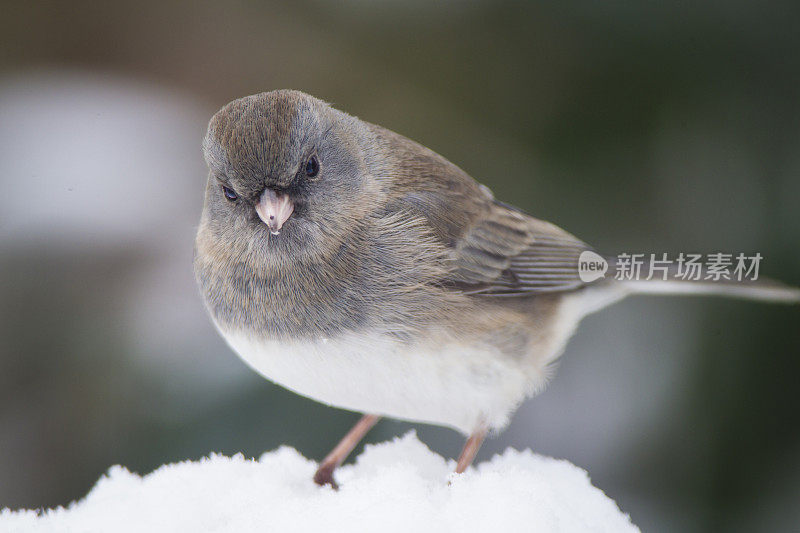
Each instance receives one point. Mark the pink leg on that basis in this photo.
(470, 450)
(324, 475)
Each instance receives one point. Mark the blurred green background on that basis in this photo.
(638, 126)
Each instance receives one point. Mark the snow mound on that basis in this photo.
(394, 486)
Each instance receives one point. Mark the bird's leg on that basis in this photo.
(324, 475)
(470, 450)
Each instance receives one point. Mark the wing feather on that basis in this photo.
(507, 252)
(495, 248)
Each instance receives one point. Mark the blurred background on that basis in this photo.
(638, 126)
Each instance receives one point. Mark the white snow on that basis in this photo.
(394, 486)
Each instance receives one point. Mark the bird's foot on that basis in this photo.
(324, 476)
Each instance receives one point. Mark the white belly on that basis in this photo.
(462, 387)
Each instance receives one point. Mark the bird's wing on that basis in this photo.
(506, 252)
(494, 248)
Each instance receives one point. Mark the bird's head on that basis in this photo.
(287, 176)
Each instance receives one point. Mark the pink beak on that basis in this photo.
(274, 209)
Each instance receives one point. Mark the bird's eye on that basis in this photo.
(312, 166)
(229, 194)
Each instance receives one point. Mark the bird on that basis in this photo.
(358, 268)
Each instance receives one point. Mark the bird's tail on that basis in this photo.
(763, 289)
(614, 281)
(673, 279)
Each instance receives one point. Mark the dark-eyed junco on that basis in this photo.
(358, 268)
